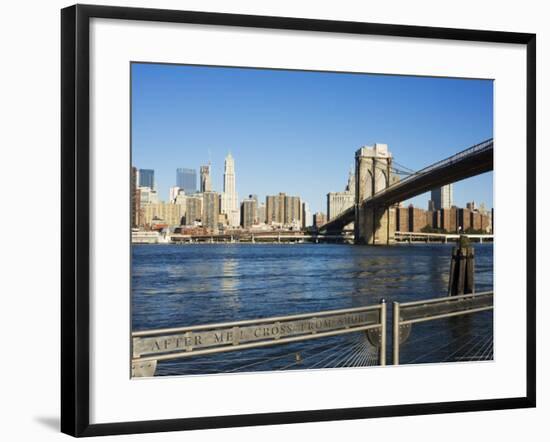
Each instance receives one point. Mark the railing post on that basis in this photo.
(396, 336)
(383, 332)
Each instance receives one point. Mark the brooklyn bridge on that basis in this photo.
(377, 191)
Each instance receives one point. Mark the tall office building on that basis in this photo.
(206, 180)
(351, 181)
(210, 210)
(193, 209)
(147, 178)
(174, 192)
(482, 209)
(186, 179)
(319, 219)
(180, 198)
(147, 196)
(134, 198)
(274, 208)
(337, 202)
(162, 213)
(230, 199)
(442, 197)
(260, 213)
(293, 210)
(249, 212)
(307, 216)
(283, 209)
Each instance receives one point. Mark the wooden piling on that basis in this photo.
(461, 273)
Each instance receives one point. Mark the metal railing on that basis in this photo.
(151, 346)
(407, 314)
(452, 159)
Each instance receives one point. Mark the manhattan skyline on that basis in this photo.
(296, 132)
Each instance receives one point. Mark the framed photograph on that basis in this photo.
(261, 214)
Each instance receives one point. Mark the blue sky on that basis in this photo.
(297, 132)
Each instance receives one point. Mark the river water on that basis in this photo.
(183, 285)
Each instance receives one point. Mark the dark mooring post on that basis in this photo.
(461, 275)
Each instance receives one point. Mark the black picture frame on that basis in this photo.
(75, 213)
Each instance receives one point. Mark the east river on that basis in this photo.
(183, 285)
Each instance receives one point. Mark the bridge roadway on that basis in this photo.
(473, 161)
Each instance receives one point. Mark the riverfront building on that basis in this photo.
(147, 196)
(442, 197)
(261, 213)
(249, 212)
(173, 193)
(162, 214)
(449, 219)
(307, 217)
(319, 219)
(465, 217)
(229, 197)
(275, 208)
(146, 178)
(417, 219)
(193, 209)
(414, 219)
(134, 198)
(402, 219)
(181, 198)
(293, 210)
(206, 180)
(337, 202)
(210, 210)
(186, 179)
(283, 209)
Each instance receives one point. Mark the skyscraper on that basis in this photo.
(230, 200)
(337, 202)
(283, 209)
(275, 208)
(319, 219)
(248, 212)
(210, 210)
(307, 217)
(174, 191)
(134, 198)
(261, 213)
(193, 209)
(351, 181)
(206, 181)
(293, 211)
(186, 179)
(147, 195)
(442, 197)
(147, 178)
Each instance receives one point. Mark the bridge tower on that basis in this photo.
(373, 225)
